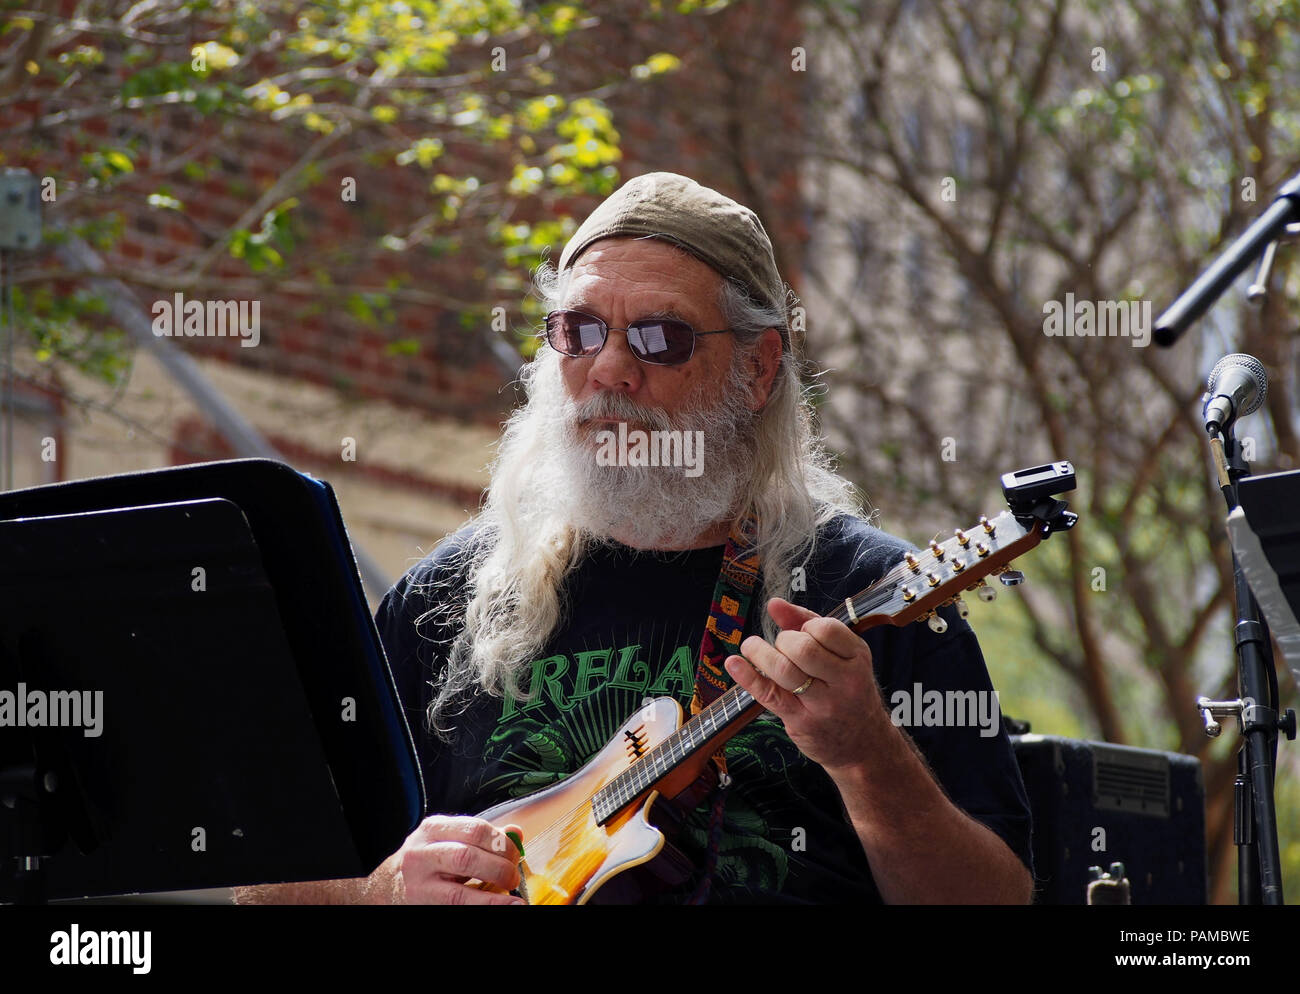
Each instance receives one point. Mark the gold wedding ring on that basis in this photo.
(802, 687)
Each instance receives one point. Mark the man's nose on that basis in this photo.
(614, 366)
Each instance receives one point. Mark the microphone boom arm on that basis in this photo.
(1211, 284)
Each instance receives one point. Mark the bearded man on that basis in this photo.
(525, 641)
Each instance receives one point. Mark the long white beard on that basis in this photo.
(651, 507)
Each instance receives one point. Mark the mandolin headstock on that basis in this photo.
(936, 577)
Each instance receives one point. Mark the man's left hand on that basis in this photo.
(834, 719)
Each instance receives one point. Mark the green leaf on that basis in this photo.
(403, 346)
(118, 160)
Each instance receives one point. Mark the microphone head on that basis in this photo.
(1253, 368)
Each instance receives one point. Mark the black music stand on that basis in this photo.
(1266, 538)
(246, 728)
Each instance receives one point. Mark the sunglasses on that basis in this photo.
(658, 341)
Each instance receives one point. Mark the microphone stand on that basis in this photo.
(1259, 865)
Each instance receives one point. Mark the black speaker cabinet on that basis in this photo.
(1095, 804)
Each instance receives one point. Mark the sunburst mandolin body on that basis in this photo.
(569, 853)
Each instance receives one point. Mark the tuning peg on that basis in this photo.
(962, 538)
(936, 623)
(937, 549)
(986, 593)
(1011, 578)
(963, 611)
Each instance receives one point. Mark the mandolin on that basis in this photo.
(581, 833)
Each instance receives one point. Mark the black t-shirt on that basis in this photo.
(632, 630)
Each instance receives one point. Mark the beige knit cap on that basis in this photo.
(711, 227)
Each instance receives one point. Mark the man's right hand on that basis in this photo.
(445, 852)
(434, 866)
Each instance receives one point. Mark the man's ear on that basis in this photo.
(764, 362)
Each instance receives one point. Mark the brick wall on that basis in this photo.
(724, 118)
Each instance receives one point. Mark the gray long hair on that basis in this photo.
(513, 570)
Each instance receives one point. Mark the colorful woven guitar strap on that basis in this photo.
(726, 625)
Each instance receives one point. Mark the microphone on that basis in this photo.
(1237, 387)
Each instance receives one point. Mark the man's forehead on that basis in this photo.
(643, 281)
(603, 298)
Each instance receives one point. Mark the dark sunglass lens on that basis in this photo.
(662, 341)
(575, 334)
